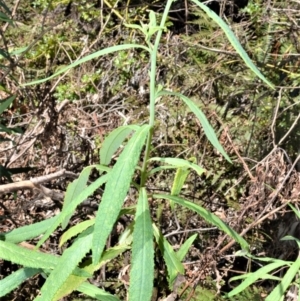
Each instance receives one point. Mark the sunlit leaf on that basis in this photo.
(116, 189)
(113, 141)
(142, 266)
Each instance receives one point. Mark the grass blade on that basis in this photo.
(253, 277)
(142, 267)
(290, 274)
(4, 104)
(185, 247)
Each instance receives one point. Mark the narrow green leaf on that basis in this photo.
(208, 216)
(10, 130)
(12, 281)
(73, 282)
(180, 163)
(26, 257)
(289, 237)
(174, 266)
(179, 180)
(253, 277)
(116, 189)
(234, 41)
(208, 129)
(5, 18)
(15, 51)
(75, 230)
(142, 266)
(296, 211)
(97, 293)
(88, 58)
(66, 265)
(71, 207)
(4, 104)
(73, 190)
(27, 232)
(286, 281)
(185, 247)
(160, 168)
(4, 54)
(246, 253)
(113, 141)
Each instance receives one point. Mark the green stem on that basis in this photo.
(153, 92)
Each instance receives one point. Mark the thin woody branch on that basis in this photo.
(35, 183)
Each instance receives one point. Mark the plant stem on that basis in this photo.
(153, 92)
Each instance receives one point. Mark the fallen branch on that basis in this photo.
(35, 183)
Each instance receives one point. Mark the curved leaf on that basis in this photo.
(234, 42)
(88, 58)
(180, 163)
(208, 130)
(208, 216)
(113, 141)
(172, 261)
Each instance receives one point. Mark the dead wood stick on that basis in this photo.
(35, 183)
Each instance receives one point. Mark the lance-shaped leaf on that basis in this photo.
(88, 58)
(208, 129)
(116, 189)
(142, 266)
(12, 281)
(234, 41)
(113, 141)
(208, 216)
(172, 261)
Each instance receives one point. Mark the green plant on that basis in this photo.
(69, 272)
(265, 272)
